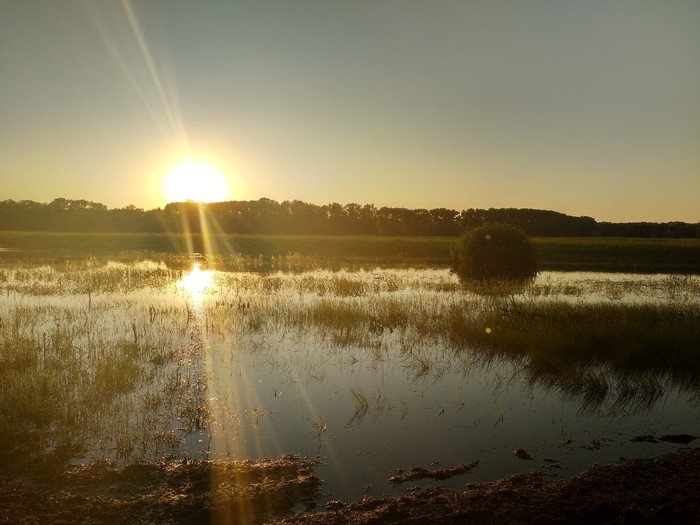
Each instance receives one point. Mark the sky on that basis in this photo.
(583, 107)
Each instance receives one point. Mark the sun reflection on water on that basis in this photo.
(197, 282)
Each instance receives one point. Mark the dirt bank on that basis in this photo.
(660, 490)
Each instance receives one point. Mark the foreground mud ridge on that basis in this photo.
(657, 490)
(181, 492)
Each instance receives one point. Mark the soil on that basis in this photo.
(165, 493)
(665, 489)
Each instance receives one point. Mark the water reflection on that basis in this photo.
(196, 283)
(363, 411)
(359, 367)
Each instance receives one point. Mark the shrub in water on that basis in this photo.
(494, 251)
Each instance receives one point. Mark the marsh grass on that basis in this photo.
(106, 359)
(627, 354)
(297, 253)
(79, 372)
(627, 351)
(681, 256)
(361, 407)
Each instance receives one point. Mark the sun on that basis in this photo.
(195, 181)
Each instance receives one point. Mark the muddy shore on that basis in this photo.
(665, 489)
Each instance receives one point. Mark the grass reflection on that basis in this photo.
(106, 359)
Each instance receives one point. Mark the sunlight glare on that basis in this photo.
(195, 181)
(197, 282)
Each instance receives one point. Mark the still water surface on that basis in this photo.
(246, 377)
(369, 411)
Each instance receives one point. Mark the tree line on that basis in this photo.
(266, 216)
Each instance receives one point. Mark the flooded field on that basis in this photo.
(389, 377)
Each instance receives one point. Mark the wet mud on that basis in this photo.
(282, 491)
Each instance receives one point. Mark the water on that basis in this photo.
(236, 370)
(370, 411)
(297, 397)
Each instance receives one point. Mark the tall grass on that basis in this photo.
(106, 359)
(78, 373)
(602, 348)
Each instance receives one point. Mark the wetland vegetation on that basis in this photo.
(305, 252)
(494, 251)
(285, 381)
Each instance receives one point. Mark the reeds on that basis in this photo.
(611, 347)
(74, 370)
(107, 358)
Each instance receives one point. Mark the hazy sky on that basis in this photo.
(585, 107)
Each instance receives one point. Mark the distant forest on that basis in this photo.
(265, 216)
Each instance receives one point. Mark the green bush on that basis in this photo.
(494, 251)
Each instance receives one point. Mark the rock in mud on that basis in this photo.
(521, 453)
